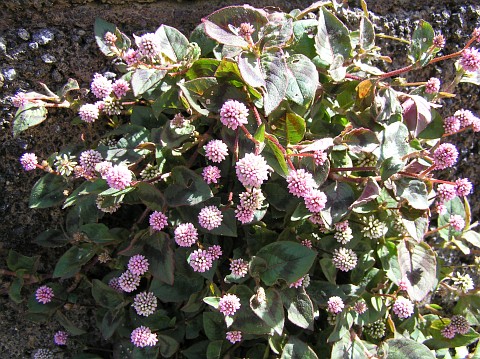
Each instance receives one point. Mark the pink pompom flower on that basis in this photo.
(335, 305)
(29, 161)
(403, 307)
(210, 217)
(300, 182)
(211, 174)
(445, 156)
(470, 60)
(128, 281)
(119, 177)
(239, 267)
(44, 294)
(433, 85)
(463, 186)
(60, 338)
(229, 304)
(158, 220)
(457, 222)
(233, 114)
(315, 200)
(252, 170)
(143, 337)
(101, 86)
(200, 260)
(185, 235)
(138, 264)
(120, 88)
(234, 336)
(216, 151)
(215, 251)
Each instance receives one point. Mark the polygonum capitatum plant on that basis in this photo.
(260, 189)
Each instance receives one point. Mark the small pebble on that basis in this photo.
(23, 34)
(43, 36)
(33, 45)
(48, 59)
(9, 74)
(3, 45)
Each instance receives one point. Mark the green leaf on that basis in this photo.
(422, 40)
(68, 324)
(414, 192)
(270, 310)
(302, 80)
(86, 356)
(418, 264)
(367, 34)
(416, 114)
(370, 192)
(285, 260)
(184, 286)
(195, 91)
(144, 80)
(454, 207)
(46, 310)
(277, 32)
(472, 237)
(339, 199)
(250, 70)
(295, 127)
(390, 166)
(98, 233)
(173, 43)
(111, 321)
(159, 252)
(296, 349)
(328, 269)
(223, 24)
(197, 350)
(28, 116)
(360, 140)
(15, 289)
(393, 142)
(215, 349)
(435, 128)
(71, 85)
(168, 345)
(101, 27)
(387, 107)
(332, 38)
(346, 348)
(407, 348)
(17, 261)
(51, 238)
(274, 70)
(275, 158)
(47, 191)
(105, 295)
(299, 307)
(213, 325)
(150, 196)
(72, 261)
(188, 188)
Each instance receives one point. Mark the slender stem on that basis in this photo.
(257, 115)
(435, 230)
(415, 175)
(354, 77)
(339, 178)
(384, 36)
(355, 169)
(280, 147)
(249, 135)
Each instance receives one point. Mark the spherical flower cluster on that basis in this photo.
(138, 264)
(111, 106)
(185, 235)
(445, 156)
(376, 329)
(433, 85)
(104, 257)
(343, 232)
(150, 172)
(457, 222)
(465, 117)
(158, 221)
(470, 60)
(29, 161)
(451, 125)
(317, 219)
(110, 38)
(448, 332)
(101, 86)
(89, 113)
(119, 177)
(446, 192)
(201, 261)
(404, 285)
(65, 164)
(44, 294)
(300, 182)
(128, 281)
(463, 187)
(233, 114)
(297, 284)
(143, 337)
(120, 88)
(108, 209)
(229, 304)
(234, 336)
(60, 338)
(246, 29)
(252, 170)
(439, 41)
(19, 100)
(239, 267)
(463, 282)
(403, 307)
(319, 157)
(440, 208)
(211, 174)
(210, 217)
(315, 200)
(335, 305)
(114, 283)
(307, 243)
(215, 251)
(103, 168)
(244, 215)
(145, 303)
(88, 160)
(460, 324)
(216, 151)
(360, 307)
(373, 228)
(43, 354)
(344, 259)
(252, 198)
(130, 57)
(148, 45)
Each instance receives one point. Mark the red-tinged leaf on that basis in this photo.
(361, 140)
(370, 192)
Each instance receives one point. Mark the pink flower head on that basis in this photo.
(148, 45)
(234, 336)
(335, 305)
(296, 284)
(229, 304)
(145, 303)
(89, 113)
(439, 41)
(317, 219)
(185, 235)
(244, 215)
(210, 217)
(463, 186)
(110, 38)
(470, 60)
(103, 168)
(60, 338)
(451, 125)
(29, 161)
(101, 86)
(130, 57)
(403, 307)
(404, 285)
(201, 261)
(344, 259)
(233, 114)
(315, 200)
(448, 332)
(440, 207)
(360, 307)
(129, 281)
(120, 88)
(44, 294)
(460, 324)
(158, 221)
(211, 174)
(252, 170)
(319, 157)
(138, 264)
(307, 243)
(476, 124)
(216, 151)
(143, 337)
(433, 85)
(457, 222)
(119, 177)
(239, 267)
(215, 251)
(114, 283)
(300, 182)
(446, 192)
(465, 117)
(445, 156)
(252, 198)
(88, 160)
(19, 100)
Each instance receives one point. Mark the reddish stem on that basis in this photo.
(355, 169)
(280, 147)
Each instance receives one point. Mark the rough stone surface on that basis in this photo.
(63, 30)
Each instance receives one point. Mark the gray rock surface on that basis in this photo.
(52, 40)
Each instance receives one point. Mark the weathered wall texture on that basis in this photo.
(52, 40)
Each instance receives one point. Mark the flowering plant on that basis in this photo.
(264, 190)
